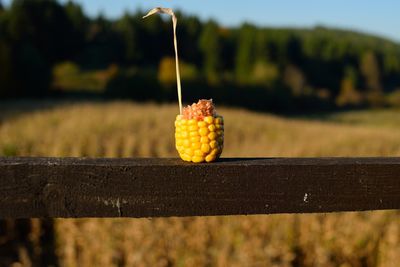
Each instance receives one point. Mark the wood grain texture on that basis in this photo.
(82, 187)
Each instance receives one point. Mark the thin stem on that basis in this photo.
(174, 24)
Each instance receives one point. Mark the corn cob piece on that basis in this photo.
(199, 133)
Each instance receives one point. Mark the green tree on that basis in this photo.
(371, 71)
(294, 78)
(6, 78)
(264, 73)
(103, 46)
(3, 27)
(32, 70)
(261, 46)
(391, 62)
(156, 39)
(349, 95)
(76, 16)
(129, 31)
(189, 32)
(294, 50)
(79, 28)
(23, 70)
(167, 73)
(45, 25)
(369, 67)
(210, 47)
(245, 56)
(6, 57)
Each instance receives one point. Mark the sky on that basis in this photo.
(379, 17)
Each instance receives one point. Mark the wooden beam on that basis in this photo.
(82, 187)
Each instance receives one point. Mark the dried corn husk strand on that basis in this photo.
(174, 23)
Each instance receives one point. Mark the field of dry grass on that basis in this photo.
(125, 129)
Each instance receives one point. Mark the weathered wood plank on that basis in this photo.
(81, 187)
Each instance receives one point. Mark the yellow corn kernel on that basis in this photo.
(199, 153)
(203, 131)
(211, 128)
(213, 144)
(204, 140)
(201, 124)
(205, 148)
(192, 122)
(210, 158)
(219, 120)
(197, 159)
(219, 126)
(179, 142)
(186, 143)
(209, 119)
(215, 151)
(195, 139)
(212, 136)
(184, 134)
(183, 122)
(186, 157)
(196, 145)
(183, 128)
(193, 128)
(194, 133)
(189, 152)
(177, 135)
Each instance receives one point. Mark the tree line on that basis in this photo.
(258, 67)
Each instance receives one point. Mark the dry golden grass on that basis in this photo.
(123, 129)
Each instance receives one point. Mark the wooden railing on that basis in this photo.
(83, 187)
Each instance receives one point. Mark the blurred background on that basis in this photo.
(91, 78)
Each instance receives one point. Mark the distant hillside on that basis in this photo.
(352, 39)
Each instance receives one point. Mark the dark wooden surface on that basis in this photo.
(79, 187)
